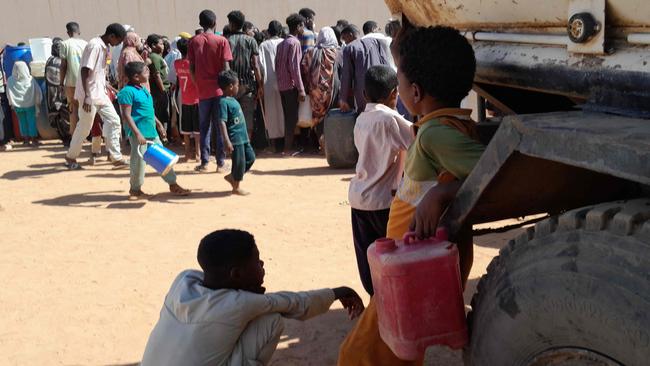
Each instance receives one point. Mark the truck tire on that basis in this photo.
(575, 290)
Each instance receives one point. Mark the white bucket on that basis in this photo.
(37, 68)
(41, 48)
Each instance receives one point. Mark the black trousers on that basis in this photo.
(290, 108)
(367, 226)
(161, 106)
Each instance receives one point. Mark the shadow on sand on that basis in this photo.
(304, 172)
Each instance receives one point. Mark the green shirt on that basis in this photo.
(158, 65)
(142, 110)
(71, 50)
(231, 114)
(437, 148)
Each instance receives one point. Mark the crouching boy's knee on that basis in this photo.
(260, 338)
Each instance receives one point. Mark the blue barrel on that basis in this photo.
(339, 139)
(159, 157)
(13, 54)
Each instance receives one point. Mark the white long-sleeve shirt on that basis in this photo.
(201, 326)
(381, 136)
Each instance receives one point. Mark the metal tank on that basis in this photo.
(595, 53)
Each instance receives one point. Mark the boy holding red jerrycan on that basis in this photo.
(433, 80)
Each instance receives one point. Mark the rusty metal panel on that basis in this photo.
(553, 162)
(503, 14)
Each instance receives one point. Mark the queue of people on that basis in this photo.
(408, 170)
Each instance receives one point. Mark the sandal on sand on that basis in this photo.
(121, 163)
(201, 168)
(72, 165)
(138, 195)
(223, 168)
(177, 190)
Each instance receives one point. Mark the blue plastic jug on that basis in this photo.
(13, 54)
(159, 157)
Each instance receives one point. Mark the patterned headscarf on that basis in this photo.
(327, 38)
(130, 46)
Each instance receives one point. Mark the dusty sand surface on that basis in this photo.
(85, 271)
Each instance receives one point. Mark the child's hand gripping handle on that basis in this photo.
(411, 238)
(137, 148)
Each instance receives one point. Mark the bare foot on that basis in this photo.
(177, 190)
(240, 192)
(228, 178)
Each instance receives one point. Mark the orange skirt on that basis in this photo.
(364, 347)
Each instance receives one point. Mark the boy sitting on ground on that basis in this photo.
(141, 123)
(433, 80)
(381, 136)
(234, 132)
(221, 316)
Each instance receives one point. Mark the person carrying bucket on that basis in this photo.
(138, 112)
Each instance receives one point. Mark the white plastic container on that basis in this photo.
(37, 68)
(41, 48)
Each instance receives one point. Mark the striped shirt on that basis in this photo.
(243, 48)
(287, 65)
(308, 40)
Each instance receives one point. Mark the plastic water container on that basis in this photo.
(13, 54)
(37, 69)
(418, 294)
(41, 48)
(159, 157)
(339, 139)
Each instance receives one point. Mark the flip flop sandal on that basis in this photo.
(180, 192)
(73, 165)
(201, 169)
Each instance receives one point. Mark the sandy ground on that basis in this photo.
(85, 271)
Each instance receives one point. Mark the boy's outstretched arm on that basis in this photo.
(299, 305)
(350, 300)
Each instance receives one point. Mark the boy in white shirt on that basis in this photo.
(381, 136)
(221, 316)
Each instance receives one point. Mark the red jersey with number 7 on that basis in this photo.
(189, 92)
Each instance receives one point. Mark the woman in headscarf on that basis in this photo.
(25, 96)
(320, 75)
(131, 49)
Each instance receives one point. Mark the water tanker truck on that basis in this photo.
(564, 108)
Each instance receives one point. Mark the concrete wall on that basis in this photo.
(24, 19)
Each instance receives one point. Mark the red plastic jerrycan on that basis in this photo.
(418, 294)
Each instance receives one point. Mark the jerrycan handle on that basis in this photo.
(140, 152)
(411, 238)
